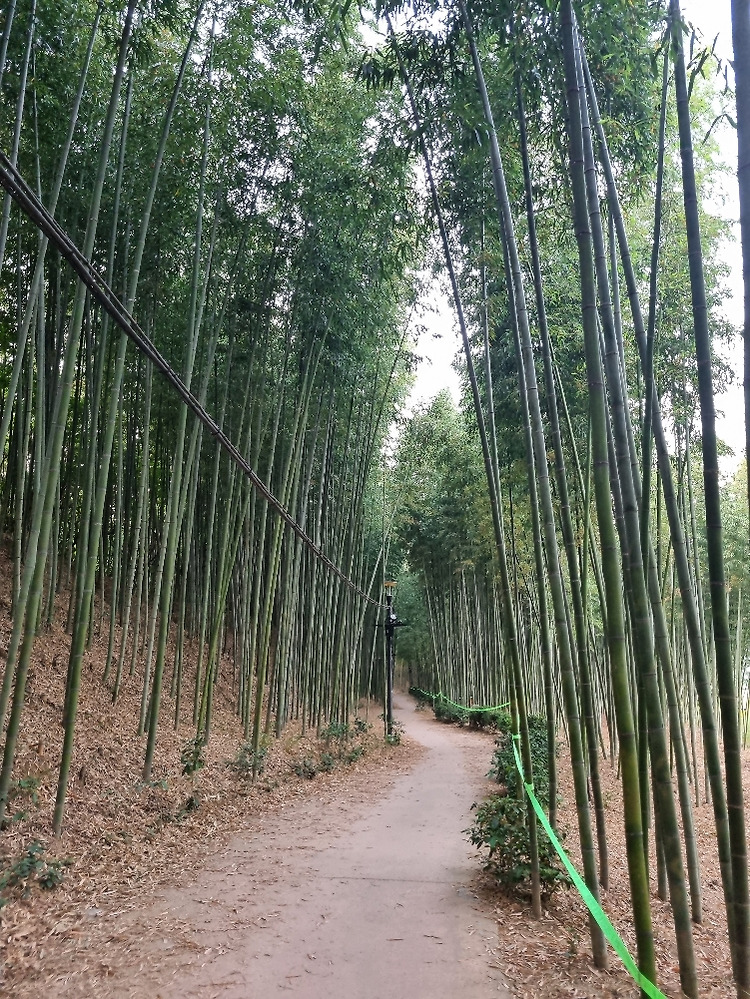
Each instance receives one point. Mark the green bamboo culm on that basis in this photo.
(719, 610)
(641, 905)
(625, 469)
(690, 608)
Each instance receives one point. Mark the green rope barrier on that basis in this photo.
(594, 908)
(614, 938)
(462, 707)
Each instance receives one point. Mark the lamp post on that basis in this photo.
(390, 631)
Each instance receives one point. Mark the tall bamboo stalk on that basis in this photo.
(719, 611)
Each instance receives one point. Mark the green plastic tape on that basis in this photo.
(614, 938)
(462, 707)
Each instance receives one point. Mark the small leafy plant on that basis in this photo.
(24, 788)
(503, 768)
(193, 756)
(31, 867)
(393, 738)
(361, 727)
(248, 761)
(501, 822)
(338, 731)
(305, 768)
(500, 827)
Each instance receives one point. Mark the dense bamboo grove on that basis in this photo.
(258, 190)
(574, 234)
(245, 199)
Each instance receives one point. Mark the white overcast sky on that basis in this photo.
(439, 345)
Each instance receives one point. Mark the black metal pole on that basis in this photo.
(390, 627)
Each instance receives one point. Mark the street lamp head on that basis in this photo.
(389, 586)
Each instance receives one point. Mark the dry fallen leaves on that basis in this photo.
(126, 839)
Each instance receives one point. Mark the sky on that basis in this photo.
(440, 342)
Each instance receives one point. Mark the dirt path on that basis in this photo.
(369, 900)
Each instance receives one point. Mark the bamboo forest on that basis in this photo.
(233, 538)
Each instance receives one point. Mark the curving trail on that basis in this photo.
(351, 902)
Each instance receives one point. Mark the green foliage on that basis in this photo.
(31, 867)
(455, 714)
(500, 827)
(503, 768)
(452, 714)
(341, 746)
(248, 761)
(161, 783)
(193, 756)
(394, 737)
(421, 696)
(445, 514)
(734, 522)
(23, 788)
(306, 767)
(339, 731)
(482, 718)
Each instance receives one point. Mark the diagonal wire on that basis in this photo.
(14, 184)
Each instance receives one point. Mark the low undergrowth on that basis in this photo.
(343, 744)
(500, 829)
(32, 868)
(451, 713)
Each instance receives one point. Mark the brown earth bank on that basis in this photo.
(118, 920)
(122, 836)
(551, 958)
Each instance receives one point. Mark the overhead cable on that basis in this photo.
(14, 184)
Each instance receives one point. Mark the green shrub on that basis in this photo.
(23, 788)
(32, 866)
(248, 761)
(305, 768)
(393, 738)
(421, 696)
(501, 720)
(327, 762)
(193, 755)
(454, 714)
(335, 730)
(500, 827)
(449, 713)
(501, 823)
(484, 718)
(503, 768)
